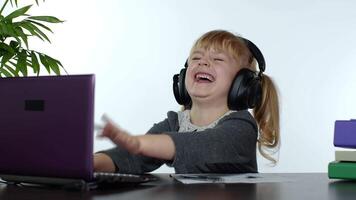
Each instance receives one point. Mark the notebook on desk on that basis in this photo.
(46, 131)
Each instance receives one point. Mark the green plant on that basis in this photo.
(15, 30)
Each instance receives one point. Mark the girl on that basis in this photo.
(214, 133)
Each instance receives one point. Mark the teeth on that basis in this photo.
(204, 76)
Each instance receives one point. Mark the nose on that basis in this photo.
(204, 62)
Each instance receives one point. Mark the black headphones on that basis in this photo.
(245, 91)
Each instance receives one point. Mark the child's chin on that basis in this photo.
(199, 96)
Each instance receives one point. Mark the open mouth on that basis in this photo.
(204, 78)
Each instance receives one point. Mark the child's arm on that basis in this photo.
(103, 163)
(156, 146)
(230, 147)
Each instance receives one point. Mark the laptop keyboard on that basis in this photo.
(112, 178)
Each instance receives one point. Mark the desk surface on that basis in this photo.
(303, 186)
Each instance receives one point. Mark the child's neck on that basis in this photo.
(203, 116)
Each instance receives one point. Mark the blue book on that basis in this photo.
(345, 133)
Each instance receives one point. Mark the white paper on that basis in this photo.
(230, 178)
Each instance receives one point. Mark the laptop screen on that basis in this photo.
(47, 126)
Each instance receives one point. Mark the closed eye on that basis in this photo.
(218, 59)
(196, 58)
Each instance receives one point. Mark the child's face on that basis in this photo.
(209, 75)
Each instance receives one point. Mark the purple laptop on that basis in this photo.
(46, 132)
(47, 126)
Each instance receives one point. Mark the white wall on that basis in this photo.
(135, 47)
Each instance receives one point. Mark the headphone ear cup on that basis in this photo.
(245, 91)
(180, 92)
(255, 93)
(176, 88)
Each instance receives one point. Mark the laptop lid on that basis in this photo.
(46, 126)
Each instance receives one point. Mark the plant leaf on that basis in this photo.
(49, 19)
(41, 25)
(13, 3)
(35, 64)
(27, 27)
(39, 33)
(10, 69)
(45, 63)
(18, 12)
(14, 44)
(30, 29)
(6, 57)
(3, 29)
(10, 29)
(60, 64)
(5, 72)
(12, 32)
(53, 64)
(34, 30)
(22, 35)
(7, 48)
(21, 62)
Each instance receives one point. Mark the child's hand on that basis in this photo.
(159, 146)
(120, 136)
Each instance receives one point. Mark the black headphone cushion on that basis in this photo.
(245, 91)
(183, 93)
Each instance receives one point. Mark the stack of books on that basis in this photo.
(344, 166)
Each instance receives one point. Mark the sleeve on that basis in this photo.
(230, 147)
(137, 164)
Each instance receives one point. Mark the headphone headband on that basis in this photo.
(257, 54)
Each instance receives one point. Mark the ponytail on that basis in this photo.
(267, 117)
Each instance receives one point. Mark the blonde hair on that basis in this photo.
(222, 40)
(267, 112)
